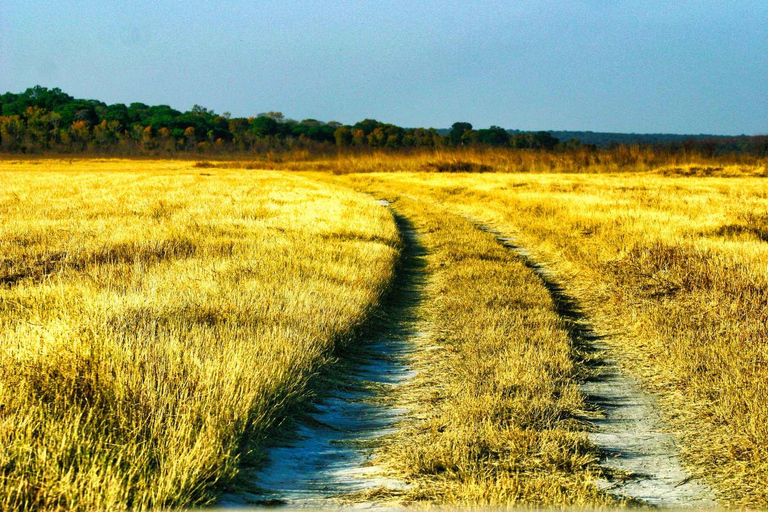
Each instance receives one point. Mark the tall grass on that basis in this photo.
(473, 159)
(156, 320)
(673, 268)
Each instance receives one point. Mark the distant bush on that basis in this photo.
(456, 166)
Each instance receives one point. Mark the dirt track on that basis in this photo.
(629, 431)
(329, 457)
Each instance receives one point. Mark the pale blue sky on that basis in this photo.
(605, 65)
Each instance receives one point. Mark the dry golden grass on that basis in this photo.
(481, 160)
(673, 268)
(496, 396)
(154, 316)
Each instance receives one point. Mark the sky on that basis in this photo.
(644, 66)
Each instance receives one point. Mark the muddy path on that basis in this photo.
(637, 450)
(328, 458)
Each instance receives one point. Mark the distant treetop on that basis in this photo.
(40, 119)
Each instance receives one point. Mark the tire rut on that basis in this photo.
(636, 449)
(328, 459)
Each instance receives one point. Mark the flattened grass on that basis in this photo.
(154, 319)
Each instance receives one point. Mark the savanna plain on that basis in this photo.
(162, 322)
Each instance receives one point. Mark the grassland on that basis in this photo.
(154, 317)
(158, 318)
(672, 267)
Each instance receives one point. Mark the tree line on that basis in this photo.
(41, 120)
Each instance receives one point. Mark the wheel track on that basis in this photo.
(329, 458)
(640, 454)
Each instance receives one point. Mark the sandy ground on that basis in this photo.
(632, 437)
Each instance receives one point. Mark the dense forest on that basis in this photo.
(42, 120)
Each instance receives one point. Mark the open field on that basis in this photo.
(672, 269)
(156, 320)
(383, 256)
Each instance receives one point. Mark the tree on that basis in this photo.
(469, 138)
(358, 139)
(537, 140)
(545, 140)
(137, 112)
(38, 127)
(238, 125)
(493, 136)
(366, 125)
(87, 115)
(11, 132)
(190, 137)
(105, 133)
(148, 138)
(458, 129)
(277, 116)
(118, 112)
(264, 126)
(81, 134)
(343, 136)
(201, 111)
(377, 137)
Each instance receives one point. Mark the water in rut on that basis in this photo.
(329, 457)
